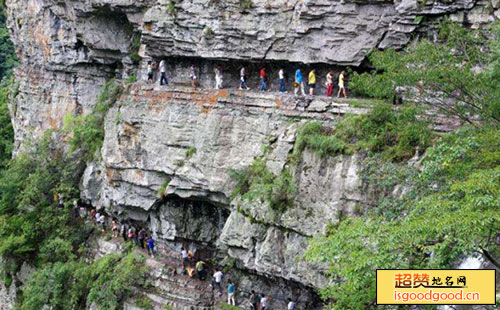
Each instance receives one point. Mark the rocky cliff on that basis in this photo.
(148, 134)
(67, 49)
(188, 141)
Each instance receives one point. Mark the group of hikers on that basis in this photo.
(199, 269)
(299, 82)
(192, 267)
(137, 235)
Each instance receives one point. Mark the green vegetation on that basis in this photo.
(8, 86)
(88, 130)
(395, 133)
(392, 134)
(6, 130)
(464, 67)
(450, 206)
(131, 79)
(257, 183)
(190, 152)
(163, 188)
(228, 263)
(318, 138)
(29, 217)
(225, 306)
(208, 32)
(134, 48)
(144, 303)
(105, 282)
(171, 9)
(8, 59)
(246, 4)
(36, 230)
(450, 210)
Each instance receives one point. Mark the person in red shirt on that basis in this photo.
(263, 79)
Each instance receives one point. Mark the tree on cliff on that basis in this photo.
(8, 59)
(450, 208)
(459, 75)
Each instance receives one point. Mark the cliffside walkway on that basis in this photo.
(316, 107)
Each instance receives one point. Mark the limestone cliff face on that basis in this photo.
(68, 49)
(148, 133)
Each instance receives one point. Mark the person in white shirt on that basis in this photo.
(102, 221)
(281, 74)
(163, 71)
(218, 77)
(264, 301)
(291, 304)
(185, 259)
(217, 280)
(243, 79)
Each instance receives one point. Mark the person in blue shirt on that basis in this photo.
(230, 293)
(151, 246)
(299, 83)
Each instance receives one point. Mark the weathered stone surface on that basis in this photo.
(147, 135)
(7, 296)
(68, 49)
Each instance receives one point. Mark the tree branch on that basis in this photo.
(490, 258)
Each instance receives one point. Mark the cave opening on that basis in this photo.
(190, 223)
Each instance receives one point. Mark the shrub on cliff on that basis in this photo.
(6, 130)
(459, 75)
(450, 209)
(8, 58)
(69, 285)
(87, 131)
(257, 183)
(35, 229)
(395, 133)
(29, 212)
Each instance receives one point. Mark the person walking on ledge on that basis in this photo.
(329, 84)
(218, 77)
(200, 270)
(217, 281)
(163, 73)
(243, 79)
(185, 259)
(193, 76)
(254, 300)
(342, 85)
(151, 246)
(264, 302)
(141, 236)
(281, 74)
(230, 293)
(299, 83)
(263, 78)
(150, 72)
(312, 82)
